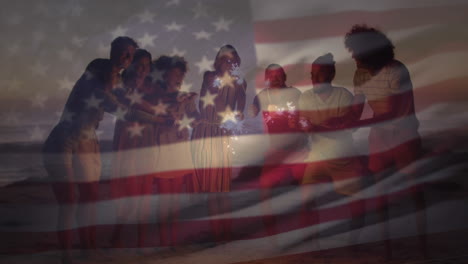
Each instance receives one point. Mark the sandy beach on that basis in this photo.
(447, 228)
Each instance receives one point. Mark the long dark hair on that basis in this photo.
(166, 63)
(119, 44)
(372, 48)
(129, 74)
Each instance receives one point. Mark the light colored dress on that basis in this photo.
(210, 141)
(175, 159)
(134, 152)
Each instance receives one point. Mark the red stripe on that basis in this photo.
(337, 24)
(248, 179)
(299, 74)
(123, 187)
(445, 248)
(446, 91)
(191, 231)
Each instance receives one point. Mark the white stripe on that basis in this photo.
(308, 50)
(437, 118)
(279, 9)
(43, 217)
(279, 245)
(430, 70)
(396, 182)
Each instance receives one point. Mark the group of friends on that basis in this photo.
(164, 136)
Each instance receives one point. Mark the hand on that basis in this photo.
(186, 96)
(196, 122)
(163, 120)
(253, 111)
(183, 134)
(273, 114)
(159, 119)
(304, 124)
(240, 116)
(333, 123)
(293, 122)
(192, 95)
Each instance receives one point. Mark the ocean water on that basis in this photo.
(441, 130)
(19, 161)
(23, 160)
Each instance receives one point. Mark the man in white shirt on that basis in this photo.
(325, 113)
(278, 104)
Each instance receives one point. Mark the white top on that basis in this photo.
(328, 145)
(391, 81)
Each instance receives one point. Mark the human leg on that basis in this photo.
(405, 155)
(270, 177)
(66, 200)
(310, 216)
(349, 177)
(144, 209)
(178, 185)
(88, 195)
(164, 190)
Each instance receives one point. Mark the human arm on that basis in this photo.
(58, 152)
(240, 99)
(311, 119)
(190, 106)
(207, 78)
(255, 107)
(67, 159)
(398, 96)
(350, 111)
(390, 114)
(303, 114)
(98, 82)
(112, 105)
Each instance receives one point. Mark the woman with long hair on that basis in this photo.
(134, 151)
(174, 164)
(222, 100)
(384, 83)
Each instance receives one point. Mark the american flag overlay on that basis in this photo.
(207, 131)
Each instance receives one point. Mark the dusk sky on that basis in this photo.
(47, 45)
